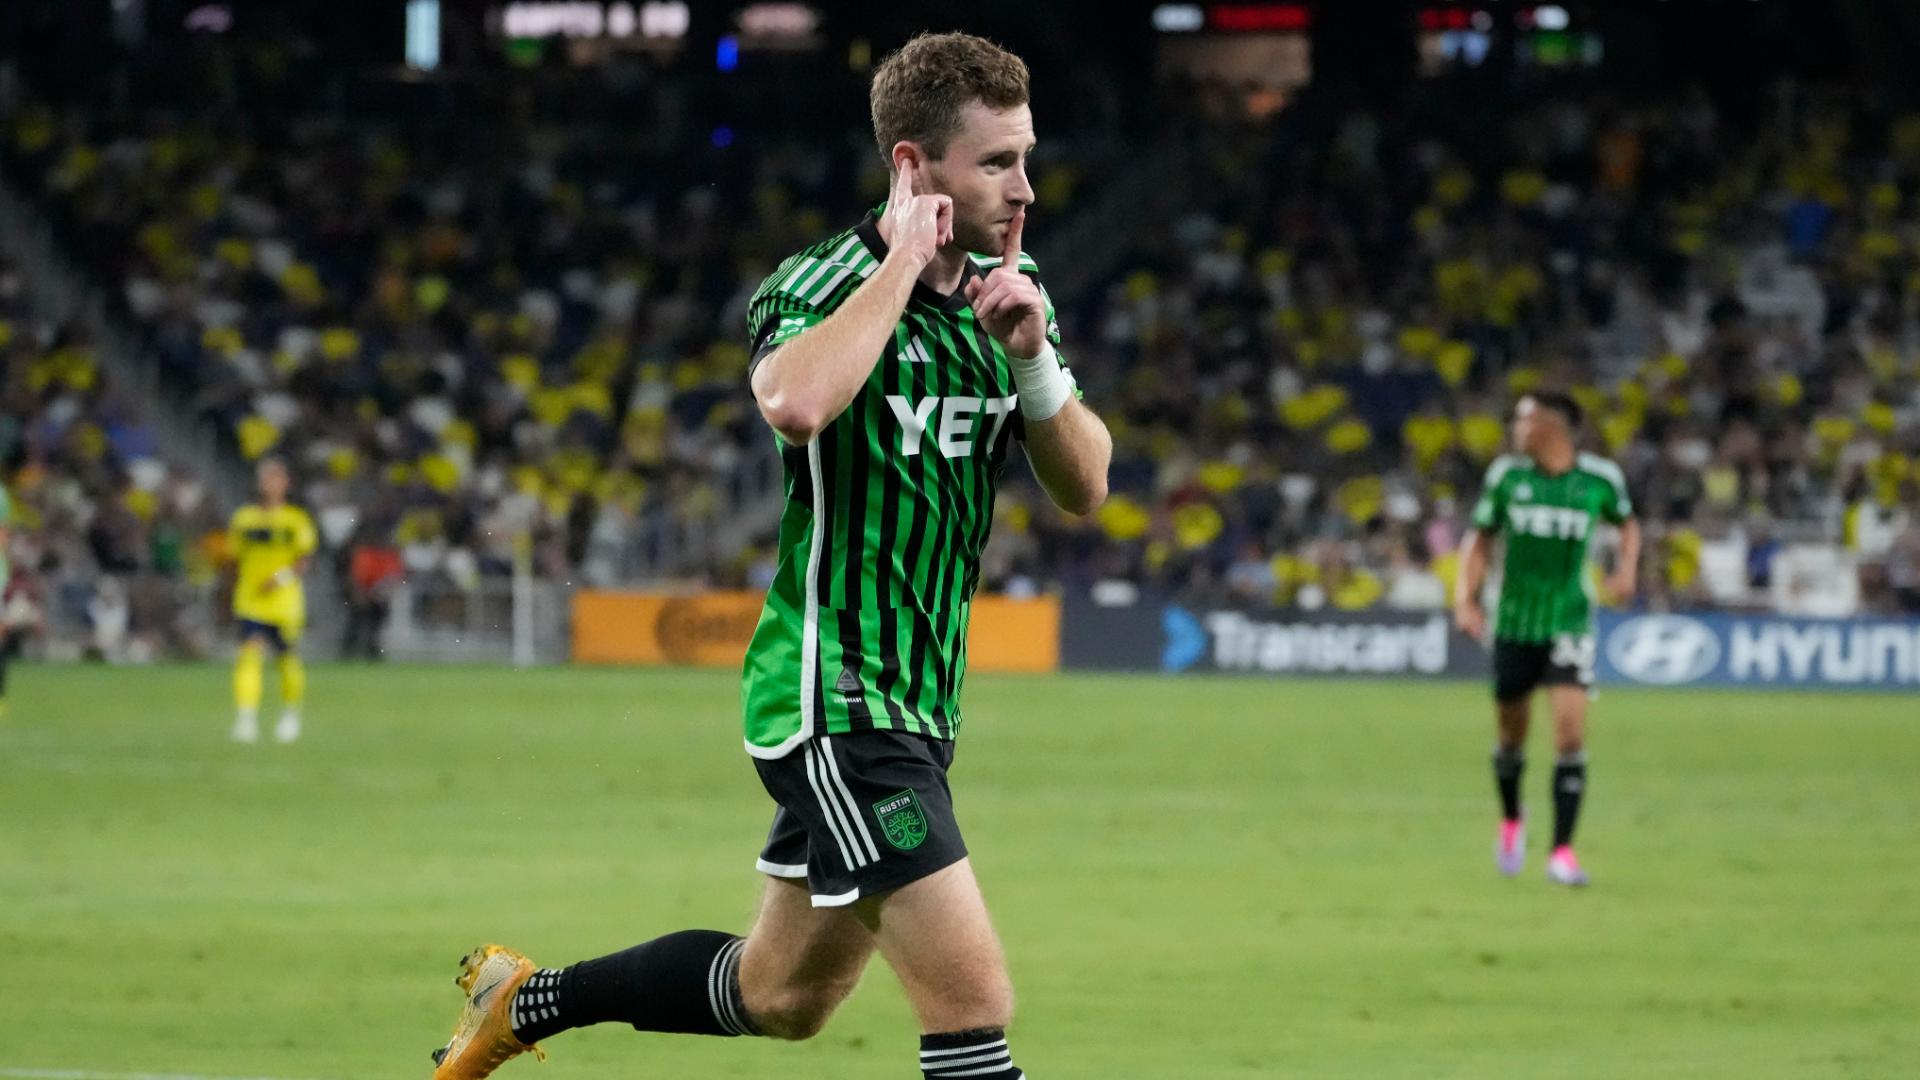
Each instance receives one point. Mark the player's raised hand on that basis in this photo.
(1008, 303)
(916, 226)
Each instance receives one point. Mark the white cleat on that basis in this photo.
(246, 728)
(288, 729)
(1564, 869)
(1510, 848)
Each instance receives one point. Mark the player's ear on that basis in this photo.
(906, 152)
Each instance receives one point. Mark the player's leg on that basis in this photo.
(800, 962)
(936, 935)
(796, 965)
(686, 982)
(293, 684)
(784, 979)
(1569, 677)
(249, 681)
(1517, 670)
(883, 841)
(1569, 779)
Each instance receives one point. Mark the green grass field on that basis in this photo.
(1195, 878)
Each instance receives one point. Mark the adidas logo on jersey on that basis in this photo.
(915, 353)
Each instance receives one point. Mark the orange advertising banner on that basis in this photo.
(711, 629)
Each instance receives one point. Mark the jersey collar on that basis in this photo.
(953, 303)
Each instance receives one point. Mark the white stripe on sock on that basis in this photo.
(729, 969)
(939, 1067)
(975, 1049)
(713, 986)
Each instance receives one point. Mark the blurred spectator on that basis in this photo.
(374, 569)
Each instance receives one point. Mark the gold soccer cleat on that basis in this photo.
(483, 1039)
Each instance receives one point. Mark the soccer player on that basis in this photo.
(271, 541)
(897, 362)
(1544, 500)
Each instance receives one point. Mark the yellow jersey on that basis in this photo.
(265, 541)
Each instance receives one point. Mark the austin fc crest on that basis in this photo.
(902, 820)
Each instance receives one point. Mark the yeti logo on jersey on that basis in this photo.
(915, 353)
(959, 420)
(1549, 522)
(901, 819)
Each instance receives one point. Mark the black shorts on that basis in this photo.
(860, 814)
(270, 633)
(1520, 667)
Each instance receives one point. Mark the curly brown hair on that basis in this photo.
(920, 90)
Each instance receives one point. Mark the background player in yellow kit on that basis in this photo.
(271, 542)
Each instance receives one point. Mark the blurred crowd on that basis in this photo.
(518, 339)
(110, 547)
(1308, 359)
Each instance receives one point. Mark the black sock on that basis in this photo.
(1508, 764)
(980, 1054)
(687, 982)
(1569, 784)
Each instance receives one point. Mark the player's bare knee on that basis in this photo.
(795, 1013)
(1570, 737)
(985, 1002)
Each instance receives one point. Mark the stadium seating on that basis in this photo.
(112, 545)
(468, 337)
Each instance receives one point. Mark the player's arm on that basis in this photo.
(1625, 579)
(1069, 446)
(1468, 614)
(1475, 548)
(810, 379)
(235, 537)
(1070, 452)
(306, 540)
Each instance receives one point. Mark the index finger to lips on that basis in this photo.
(1011, 256)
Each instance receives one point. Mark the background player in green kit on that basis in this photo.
(1545, 501)
(897, 362)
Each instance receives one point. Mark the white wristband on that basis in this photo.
(1041, 383)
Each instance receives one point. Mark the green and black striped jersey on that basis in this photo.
(1547, 521)
(887, 510)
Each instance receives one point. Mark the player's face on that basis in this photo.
(273, 481)
(1533, 426)
(984, 171)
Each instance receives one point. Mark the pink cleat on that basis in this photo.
(1510, 851)
(1564, 869)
